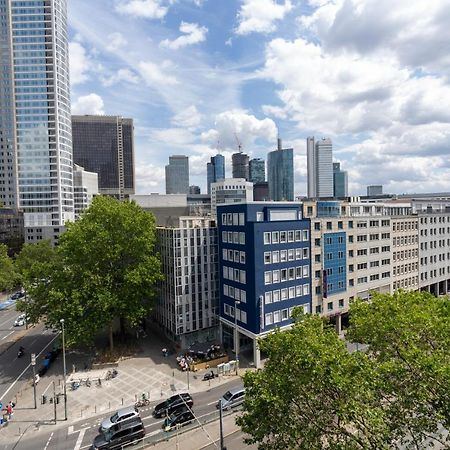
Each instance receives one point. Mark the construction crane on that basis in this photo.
(238, 142)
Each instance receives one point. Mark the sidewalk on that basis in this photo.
(147, 372)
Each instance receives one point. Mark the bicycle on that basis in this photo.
(142, 403)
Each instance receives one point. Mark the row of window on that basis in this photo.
(433, 244)
(235, 293)
(281, 315)
(282, 275)
(293, 254)
(424, 220)
(279, 295)
(434, 273)
(406, 283)
(241, 315)
(405, 240)
(233, 255)
(230, 273)
(404, 226)
(405, 254)
(236, 219)
(434, 258)
(405, 268)
(281, 237)
(330, 306)
(233, 237)
(360, 252)
(359, 224)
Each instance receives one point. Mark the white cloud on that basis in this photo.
(88, 104)
(155, 75)
(121, 75)
(189, 117)
(149, 9)
(193, 34)
(258, 16)
(79, 63)
(116, 41)
(149, 177)
(234, 125)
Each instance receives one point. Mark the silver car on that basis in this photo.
(232, 398)
(122, 415)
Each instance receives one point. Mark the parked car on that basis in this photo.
(122, 415)
(231, 398)
(120, 435)
(180, 418)
(21, 320)
(172, 404)
(17, 295)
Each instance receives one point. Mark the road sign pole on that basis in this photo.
(54, 400)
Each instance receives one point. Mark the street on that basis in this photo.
(80, 435)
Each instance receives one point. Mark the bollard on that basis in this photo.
(122, 401)
(44, 399)
(109, 405)
(95, 409)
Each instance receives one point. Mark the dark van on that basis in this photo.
(120, 435)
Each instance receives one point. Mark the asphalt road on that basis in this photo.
(234, 441)
(80, 435)
(14, 370)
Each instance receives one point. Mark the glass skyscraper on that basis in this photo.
(36, 155)
(240, 165)
(215, 170)
(257, 170)
(280, 174)
(177, 175)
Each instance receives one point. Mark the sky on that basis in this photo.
(199, 76)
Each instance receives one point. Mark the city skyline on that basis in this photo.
(377, 90)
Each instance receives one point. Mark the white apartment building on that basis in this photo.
(85, 187)
(230, 190)
(187, 307)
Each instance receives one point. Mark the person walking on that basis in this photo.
(9, 410)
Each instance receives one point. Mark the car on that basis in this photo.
(21, 320)
(181, 417)
(120, 435)
(122, 415)
(17, 295)
(231, 398)
(172, 404)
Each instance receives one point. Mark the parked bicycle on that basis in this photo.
(111, 374)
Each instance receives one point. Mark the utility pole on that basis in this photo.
(221, 425)
(54, 400)
(64, 369)
(33, 365)
(236, 334)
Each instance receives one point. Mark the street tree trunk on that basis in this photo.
(111, 337)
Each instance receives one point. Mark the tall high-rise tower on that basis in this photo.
(105, 145)
(35, 115)
(311, 166)
(280, 173)
(177, 175)
(257, 170)
(240, 165)
(320, 167)
(340, 181)
(215, 170)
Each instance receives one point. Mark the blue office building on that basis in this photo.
(264, 269)
(334, 263)
(215, 170)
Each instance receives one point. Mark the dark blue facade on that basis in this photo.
(334, 263)
(270, 242)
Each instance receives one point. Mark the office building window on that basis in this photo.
(268, 298)
(276, 295)
(268, 277)
(276, 276)
(275, 237)
(267, 257)
(284, 294)
(269, 319)
(224, 236)
(276, 317)
(241, 219)
(284, 314)
(275, 257)
(266, 238)
(260, 217)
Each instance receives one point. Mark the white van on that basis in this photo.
(231, 398)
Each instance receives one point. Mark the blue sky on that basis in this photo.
(193, 74)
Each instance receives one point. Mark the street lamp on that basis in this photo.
(64, 369)
(236, 339)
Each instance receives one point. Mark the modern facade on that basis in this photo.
(187, 310)
(320, 168)
(177, 175)
(376, 189)
(105, 145)
(340, 181)
(36, 155)
(257, 170)
(280, 173)
(230, 190)
(264, 269)
(215, 170)
(11, 229)
(240, 165)
(85, 187)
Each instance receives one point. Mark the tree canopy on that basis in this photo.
(313, 394)
(8, 274)
(105, 268)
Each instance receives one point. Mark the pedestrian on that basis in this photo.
(9, 410)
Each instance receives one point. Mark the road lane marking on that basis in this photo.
(81, 432)
(26, 368)
(9, 320)
(213, 403)
(9, 334)
(48, 442)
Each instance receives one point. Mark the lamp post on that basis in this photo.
(64, 369)
(236, 334)
(33, 365)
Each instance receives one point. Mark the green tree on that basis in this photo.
(311, 393)
(8, 275)
(106, 268)
(408, 335)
